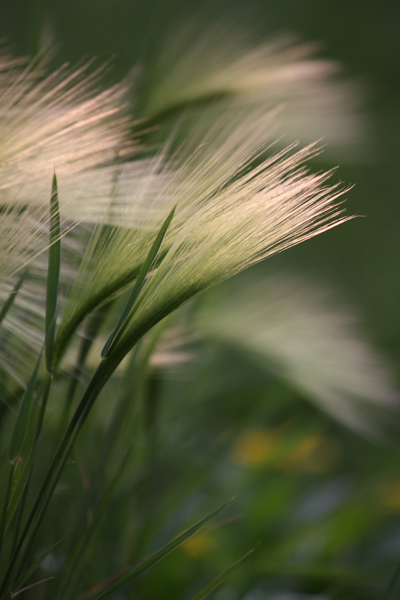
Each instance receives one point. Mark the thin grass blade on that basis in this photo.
(72, 570)
(53, 274)
(215, 583)
(392, 589)
(137, 288)
(161, 553)
(92, 329)
(100, 377)
(21, 423)
(3, 511)
(28, 587)
(9, 302)
(26, 574)
(21, 478)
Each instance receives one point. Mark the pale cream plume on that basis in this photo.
(223, 62)
(60, 122)
(305, 334)
(262, 211)
(190, 179)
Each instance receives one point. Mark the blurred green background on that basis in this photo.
(323, 502)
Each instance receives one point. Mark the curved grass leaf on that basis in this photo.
(21, 475)
(91, 332)
(97, 507)
(21, 423)
(161, 553)
(392, 589)
(9, 302)
(3, 512)
(26, 574)
(99, 379)
(215, 583)
(28, 587)
(137, 288)
(53, 274)
(23, 468)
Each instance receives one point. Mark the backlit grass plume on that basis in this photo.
(191, 178)
(230, 212)
(61, 122)
(304, 334)
(22, 329)
(261, 211)
(195, 67)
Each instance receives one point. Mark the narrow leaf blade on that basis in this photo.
(3, 510)
(20, 481)
(53, 274)
(26, 574)
(21, 423)
(28, 587)
(137, 288)
(215, 583)
(9, 302)
(392, 588)
(161, 553)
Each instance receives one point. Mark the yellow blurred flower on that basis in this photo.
(311, 453)
(199, 545)
(389, 496)
(254, 448)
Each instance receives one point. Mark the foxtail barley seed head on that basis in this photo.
(259, 212)
(225, 63)
(308, 337)
(234, 207)
(234, 204)
(57, 122)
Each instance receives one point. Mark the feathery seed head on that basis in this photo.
(60, 121)
(308, 337)
(259, 212)
(224, 63)
(56, 122)
(234, 207)
(192, 178)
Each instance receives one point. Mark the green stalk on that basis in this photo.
(105, 452)
(72, 574)
(20, 513)
(90, 334)
(21, 423)
(98, 381)
(53, 275)
(12, 296)
(102, 374)
(137, 288)
(21, 488)
(43, 404)
(3, 514)
(161, 553)
(220, 579)
(68, 327)
(39, 424)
